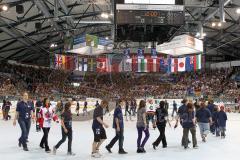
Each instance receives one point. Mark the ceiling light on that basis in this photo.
(53, 45)
(213, 24)
(238, 11)
(104, 15)
(219, 24)
(4, 8)
(106, 38)
(204, 34)
(198, 34)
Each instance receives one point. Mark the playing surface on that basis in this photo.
(215, 148)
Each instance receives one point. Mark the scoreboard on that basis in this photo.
(150, 17)
(150, 14)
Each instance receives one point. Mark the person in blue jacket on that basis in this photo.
(211, 107)
(204, 119)
(118, 125)
(215, 121)
(189, 125)
(222, 120)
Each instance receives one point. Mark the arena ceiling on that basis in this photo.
(21, 41)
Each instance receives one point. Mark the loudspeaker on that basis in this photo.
(19, 9)
(38, 25)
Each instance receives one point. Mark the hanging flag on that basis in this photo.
(189, 63)
(102, 65)
(92, 64)
(197, 62)
(116, 63)
(163, 65)
(126, 52)
(142, 65)
(153, 52)
(134, 64)
(174, 65)
(153, 64)
(140, 53)
(181, 64)
(83, 64)
(58, 61)
(127, 65)
(76, 62)
(63, 62)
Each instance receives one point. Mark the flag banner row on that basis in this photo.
(123, 63)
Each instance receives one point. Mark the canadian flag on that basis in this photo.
(102, 65)
(181, 64)
(174, 65)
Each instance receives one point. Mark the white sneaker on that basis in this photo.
(96, 155)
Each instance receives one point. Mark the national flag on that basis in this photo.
(153, 52)
(153, 64)
(189, 63)
(142, 65)
(140, 53)
(58, 61)
(126, 52)
(197, 62)
(173, 65)
(127, 65)
(116, 64)
(83, 64)
(181, 64)
(102, 65)
(68, 63)
(92, 65)
(63, 62)
(76, 62)
(134, 64)
(163, 65)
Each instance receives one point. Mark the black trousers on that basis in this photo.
(118, 137)
(64, 136)
(161, 137)
(44, 141)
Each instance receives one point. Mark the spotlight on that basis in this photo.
(198, 34)
(213, 24)
(53, 45)
(104, 15)
(106, 38)
(219, 24)
(238, 11)
(4, 8)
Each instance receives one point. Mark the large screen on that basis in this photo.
(150, 1)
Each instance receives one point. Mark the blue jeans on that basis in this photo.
(147, 135)
(204, 128)
(25, 127)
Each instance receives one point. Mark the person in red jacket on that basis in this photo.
(46, 115)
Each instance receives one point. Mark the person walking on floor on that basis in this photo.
(189, 124)
(66, 123)
(161, 120)
(142, 126)
(98, 130)
(24, 113)
(46, 115)
(118, 125)
(204, 120)
(222, 120)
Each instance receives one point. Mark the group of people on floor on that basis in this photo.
(208, 117)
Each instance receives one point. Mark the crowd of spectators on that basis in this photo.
(45, 81)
